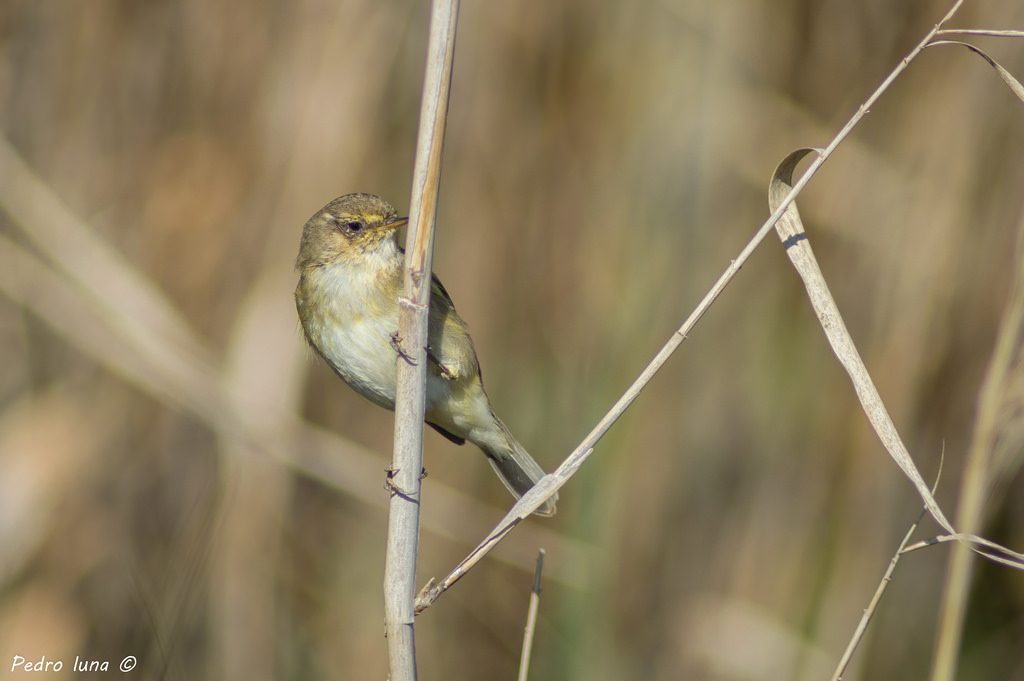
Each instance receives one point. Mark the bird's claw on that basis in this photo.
(396, 344)
(446, 373)
(392, 487)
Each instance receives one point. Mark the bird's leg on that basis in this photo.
(445, 371)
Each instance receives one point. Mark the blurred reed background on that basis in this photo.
(181, 481)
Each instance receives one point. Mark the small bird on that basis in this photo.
(350, 277)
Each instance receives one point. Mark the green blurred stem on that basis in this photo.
(974, 483)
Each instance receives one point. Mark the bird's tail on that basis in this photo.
(516, 468)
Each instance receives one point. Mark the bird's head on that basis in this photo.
(349, 228)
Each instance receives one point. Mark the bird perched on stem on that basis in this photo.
(350, 268)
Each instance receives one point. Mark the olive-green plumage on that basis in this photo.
(350, 277)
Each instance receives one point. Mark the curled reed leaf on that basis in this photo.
(791, 232)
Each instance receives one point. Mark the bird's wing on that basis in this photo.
(453, 360)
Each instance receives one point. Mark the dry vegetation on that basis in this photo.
(179, 480)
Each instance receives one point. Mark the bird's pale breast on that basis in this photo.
(350, 318)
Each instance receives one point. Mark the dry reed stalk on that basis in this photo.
(981, 31)
(876, 598)
(531, 620)
(862, 625)
(404, 476)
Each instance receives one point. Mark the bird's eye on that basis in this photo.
(352, 226)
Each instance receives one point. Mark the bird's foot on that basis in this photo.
(446, 373)
(392, 487)
(396, 344)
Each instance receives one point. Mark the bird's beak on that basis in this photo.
(396, 223)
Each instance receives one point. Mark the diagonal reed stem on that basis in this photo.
(552, 482)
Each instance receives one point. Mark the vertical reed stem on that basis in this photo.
(403, 478)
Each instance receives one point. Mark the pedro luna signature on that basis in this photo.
(42, 664)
